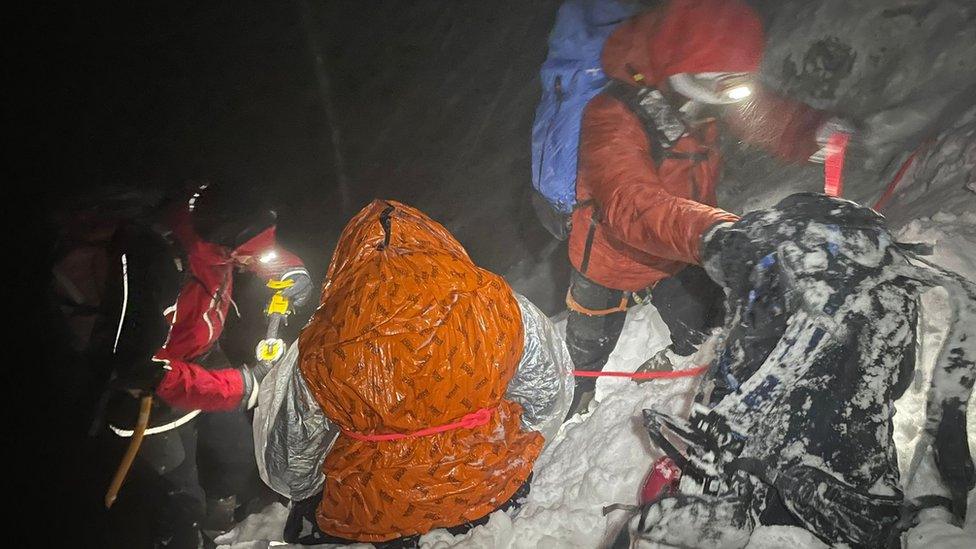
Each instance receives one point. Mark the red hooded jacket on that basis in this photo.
(197, 318)
(648, 219)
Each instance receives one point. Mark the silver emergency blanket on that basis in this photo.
(543, 383)
(291, 434)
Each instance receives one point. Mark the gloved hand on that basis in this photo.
(723, 250)
(300, 291)
(827, 129)
(141, 378)
(253, 376)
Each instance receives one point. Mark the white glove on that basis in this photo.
(827, 129)
(253, 375)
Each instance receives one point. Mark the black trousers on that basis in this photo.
(211, 456)
(690, 303)
(176, 471)
(302, 528)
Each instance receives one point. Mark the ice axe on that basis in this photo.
(145, 405)
(271, 348)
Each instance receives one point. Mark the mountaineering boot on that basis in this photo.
(662, 361)
(220, 515)
(582, 396)
(581, 403)
(188, 537)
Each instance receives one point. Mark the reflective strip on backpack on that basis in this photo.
(126, 433)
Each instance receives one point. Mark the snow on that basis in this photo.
(777, 537)
(954, 238)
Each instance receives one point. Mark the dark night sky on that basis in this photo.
(433, 102)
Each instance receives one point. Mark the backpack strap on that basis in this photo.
(590, 232)
(660, 120)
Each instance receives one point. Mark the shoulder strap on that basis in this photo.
(661, 123)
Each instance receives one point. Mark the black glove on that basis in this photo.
(253, 376)
(729, 253)
(142, 377)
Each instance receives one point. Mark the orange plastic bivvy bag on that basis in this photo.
(411, 336)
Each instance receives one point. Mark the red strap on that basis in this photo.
(691, 372)
(469, 421)
(883, 201)
(834, 163)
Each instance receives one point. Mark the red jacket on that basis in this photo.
(197, 318)
(649, 218)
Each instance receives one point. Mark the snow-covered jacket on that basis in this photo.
(641, 220)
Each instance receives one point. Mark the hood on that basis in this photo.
(685, 36)
(406, 317)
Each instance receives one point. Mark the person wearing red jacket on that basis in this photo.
(649, 164)
(166, 312)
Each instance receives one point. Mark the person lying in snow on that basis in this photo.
(794, 421)
(649, 164)
(438, 382)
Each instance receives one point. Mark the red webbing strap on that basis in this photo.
(834, 163)
(883, 201)
(674, 374)
(469, 421)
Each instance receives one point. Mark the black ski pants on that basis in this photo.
(176, 471)
(689, 302)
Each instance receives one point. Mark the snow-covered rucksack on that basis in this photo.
(794, 424)
(571, 75)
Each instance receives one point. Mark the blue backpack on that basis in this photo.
(571, 76)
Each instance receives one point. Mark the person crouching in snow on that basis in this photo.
(649, 165)
(442, 382)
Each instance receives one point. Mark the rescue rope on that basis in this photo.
(673, 374)
(468, 421)
(883, 200)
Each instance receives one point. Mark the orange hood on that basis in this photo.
(685, 36)
(412, 335)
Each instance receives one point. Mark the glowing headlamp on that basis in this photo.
(713, 88)
(735, 86)
(739, 93)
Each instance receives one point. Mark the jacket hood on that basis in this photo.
(685, 36)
